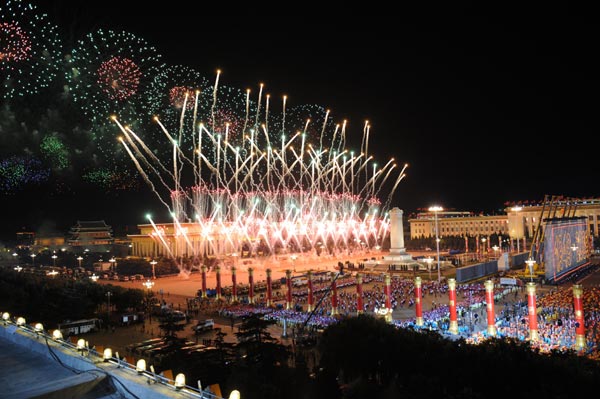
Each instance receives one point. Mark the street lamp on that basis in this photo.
(530, 263)
(113, 262)
(496, 248)
(54, 260)
(94, 277)
(79, 259)
(429, 261)
(33, 259)
(148, 284)
(293, 258)
(153, 263)
(435, 210)
(108, 295)
(483, 240)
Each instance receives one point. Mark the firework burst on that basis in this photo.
(30, 51)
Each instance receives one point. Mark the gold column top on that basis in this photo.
(203, 268)
(232, 269)
(418, 282)
(250, 271)
(489, 286)
(388, 279)
(359, 278)
(332, 275)
(577, 290)
(531, 288)
(288, 274)
(309, 274)
(268, 272)
(452, 284)
(218, 269)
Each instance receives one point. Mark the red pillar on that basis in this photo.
(579, 326)
(203, 268)
(466, 244)
(269, 289)
(418, 303)
(310, 291)
(251, 284)
(531, 309)
(388, 298)
(334, 297)
(452, 305)
(489, 300)
(218, 270)
(288, 283)
(359, 294)
(234, 282)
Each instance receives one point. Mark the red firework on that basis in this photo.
(119, 78)
(15, 45)
(177, 97)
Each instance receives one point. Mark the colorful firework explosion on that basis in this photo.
(18, 172)
(111, 71)
(30, 51)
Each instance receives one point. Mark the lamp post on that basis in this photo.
(530, 263)
(435, 210)
(483, 240)
(79, 259)
(429, 261)
(54, 260)
(108, 295)
(496, 248)
(33, 260)
(148, 284)
(153, 263)
(113, 262)
(293, 258)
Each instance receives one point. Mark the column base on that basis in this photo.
(453, 327)
(288, 306)
(309, 308)
(419, 322)
(491, 330)
(334, 311)
(533, 335)
(388, 316)
(580, 342)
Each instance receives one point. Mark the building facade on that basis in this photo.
(518, 222)
(457, 224)
(93, 235)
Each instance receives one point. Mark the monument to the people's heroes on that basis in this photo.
(397, 255)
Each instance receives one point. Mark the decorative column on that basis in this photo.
(251, 284)
(288, 283)
(334, 298)
(234, 282)
(452, 305)
(269, 289)
(466, 244)
(489, 300)
(218, 270)
(310, 291)
(531, 309)
(477, 245)
(388, 298)
(579, 325)
(203, 268)
(359, 294)
(418, 303)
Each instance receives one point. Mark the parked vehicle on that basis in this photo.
(204, 325)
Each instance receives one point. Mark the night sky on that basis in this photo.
(483, 113)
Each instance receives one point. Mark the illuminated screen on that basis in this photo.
(564, 246)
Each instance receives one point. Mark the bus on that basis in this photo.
(79, 327)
